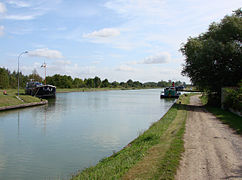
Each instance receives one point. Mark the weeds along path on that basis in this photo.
(212, 150)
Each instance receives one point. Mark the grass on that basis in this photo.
(234, 121)
(155, 154)
(10, 99)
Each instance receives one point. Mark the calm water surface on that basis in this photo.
(73, 131)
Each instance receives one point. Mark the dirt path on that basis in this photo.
(212, 150)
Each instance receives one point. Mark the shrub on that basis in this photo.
(234, 98)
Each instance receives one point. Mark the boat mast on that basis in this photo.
(44, 66)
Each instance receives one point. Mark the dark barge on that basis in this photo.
(39, 90)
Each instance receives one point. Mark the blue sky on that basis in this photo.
(114, 39)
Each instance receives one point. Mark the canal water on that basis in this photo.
(73, 131)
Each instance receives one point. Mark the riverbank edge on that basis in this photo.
(5, 108)
(171, 154)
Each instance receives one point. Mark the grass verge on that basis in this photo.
(234, 121)
(11, 100)
(155, 154)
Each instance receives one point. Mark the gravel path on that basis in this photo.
(212, 150)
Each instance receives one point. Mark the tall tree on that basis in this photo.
(97, 82)
(105, 83)
(4, 78)
(214, 59)
(35, 76)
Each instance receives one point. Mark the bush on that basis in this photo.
(233, 99)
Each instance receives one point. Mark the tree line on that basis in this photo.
(10, 79)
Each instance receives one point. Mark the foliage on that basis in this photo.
(35, 76)
(10, 80)
(78, 83)
(97, 82)
(213, 59)
(105, 83)
(4, 78)
(233, 98)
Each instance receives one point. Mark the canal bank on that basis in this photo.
(155, 154)
(10, 100)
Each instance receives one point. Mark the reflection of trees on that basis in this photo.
(169, 99)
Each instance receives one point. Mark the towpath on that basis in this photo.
(212, 150)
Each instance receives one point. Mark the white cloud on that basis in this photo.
(2, 8)
(18, 3)
(125, 68)
(103, 33)
(1, 30)
(96, 62)
(20, 17)
(47, 53)
(157, 59)
(62, 62)
(28, 10)
(136, 8)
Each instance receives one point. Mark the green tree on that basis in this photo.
(213, 59)
(4, 78)
(13, 80)
(35, 76)
(130, 83)
(114, 84)
(89, 83)
(137, 84)
(78, 83)
(105, 83)
(97, 82)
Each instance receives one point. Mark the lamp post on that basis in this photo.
(18, 68)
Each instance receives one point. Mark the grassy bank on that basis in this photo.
(11, 100)
(234, 121)
(155, 154)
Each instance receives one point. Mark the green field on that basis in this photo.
(10, 99)
(155, 154)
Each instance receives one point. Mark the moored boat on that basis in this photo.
(170, 92)
(39, 90)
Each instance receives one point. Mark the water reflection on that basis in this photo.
(18, 124)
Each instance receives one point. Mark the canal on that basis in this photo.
(73, 131)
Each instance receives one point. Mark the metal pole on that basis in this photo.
(18, 68)
(45, 74)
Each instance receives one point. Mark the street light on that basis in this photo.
(18, 68)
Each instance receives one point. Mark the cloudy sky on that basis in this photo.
(114, 39)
